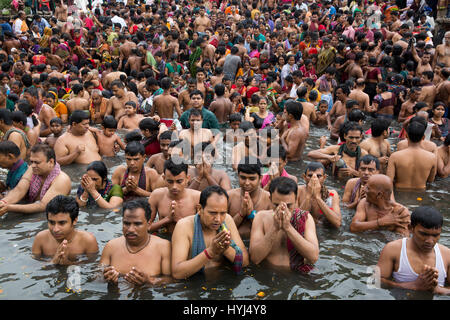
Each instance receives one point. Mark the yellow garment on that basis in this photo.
(44, 42)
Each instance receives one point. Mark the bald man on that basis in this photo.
(377, 211)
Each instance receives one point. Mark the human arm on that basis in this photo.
(110, 274)
(333, 214)
(63, 155)
(262, 239)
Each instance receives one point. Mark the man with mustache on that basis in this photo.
(62, 240)
(137, 256)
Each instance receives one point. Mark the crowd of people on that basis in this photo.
(179, 79)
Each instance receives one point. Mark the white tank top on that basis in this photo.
(406, 274)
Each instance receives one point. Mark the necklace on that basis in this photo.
(146, 244)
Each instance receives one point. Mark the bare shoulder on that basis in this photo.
(161, 243)
(186, 223)
(42, 236)
(193, 193)
(151, 171)
(120, 169)
(393, 247)
(63, 178)
(445, 252)
(87, 237)
(114, 243)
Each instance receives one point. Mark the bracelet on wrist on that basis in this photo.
(242, 216)
(99, 196)
(207, 255)
(252, 215)
(81, 198)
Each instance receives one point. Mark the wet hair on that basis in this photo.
(235, 117)
(136, 204)
(419, 105)
(100, 168)
(208, 191)
(166, 83)
(9, 147)
(379, 125)
(19, 116)
(174, 168)
(45, 149)
(416, 131)
(196, 92)
(314, 166)
(78, 116)
(367, 159)
(283, 185)
(427, 217)
(351, 126)
(63, 204)
(134, 148)
(356, 115)
(195, 112)
(134, 135)
(166, 135)
(246, 125)
(219, 89)
(109, 122)
(148, 124)
(294, 108)
(5, 115)
(250, 165)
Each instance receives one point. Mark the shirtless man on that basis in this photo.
(117, 103)
(130, 121)
(62, 241)
(165, 104)
(378, 145)
(443, 88)
(349, 152)
(195, 134)
(137, 256)
(355, 188)
(45, 112)
(61, 13)
(407, 108)
(134, 61)
(316, 198)
(308, 107)
(350, 105)
(412, 167)
(175, 201)
(359, 95)
(112, 76)
(442, 53)
(126, 46)
(293, 139)
(222, 106)
(279, 236)
(338, 108)
(428, 145)
(10, 133)
(247, 200)
(203, 175)
(78, 144)
(428, 92)
(419, 262)
(354, 70)
(78, 102)
(202, 22)
(53, 60)
(42, 181)
(157, 160)
(378, 211)
(183, 98)
(423, 63)
(443, 155)
(208, 239)
(135, 179)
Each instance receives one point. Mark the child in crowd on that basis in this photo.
(108, 141)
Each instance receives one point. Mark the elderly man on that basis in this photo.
(43, 181)
(137, 256)
(378, 211)
(207, 239)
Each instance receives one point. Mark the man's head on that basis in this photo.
(315, 170)
(293, 111)
(196, 97)
(353, 133)
(79, 121)
(62, 216)
(176, 177)
(235, 120)
(283, 189)
(118, 88)
(249, 173)
(195, 119)
(136, 223)
(379, 188)
(367, 166)
(213, 207)
(415, 131)
(135, 156)
(5, 119)
(164, 141)
(42, 159)
(380, 127)
(9, 154)
(56, 126)
(426, 226)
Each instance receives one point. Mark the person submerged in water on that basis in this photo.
(285, 236)
(418, 262)
(209, 238)
(61, 240)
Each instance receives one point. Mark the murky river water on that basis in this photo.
(340, 273)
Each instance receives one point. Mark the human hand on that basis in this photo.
(111, 274)
(347, 172)
(62, 254)
(398, 217)
(156, 118)
(171, 216)
(427, 280)
(131, 183)
(116, 147)
(200, 170)
(247, 204)
(220, 243)
(322, 141)
(80, 148)
(136, 277)
(286, 215)
(334, 158)
(314, 186)
(87, 183)
(383, 160)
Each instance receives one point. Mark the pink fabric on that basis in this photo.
(266, 178)
(36, 183)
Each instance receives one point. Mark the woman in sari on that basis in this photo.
(96, 188)
(44, 42)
